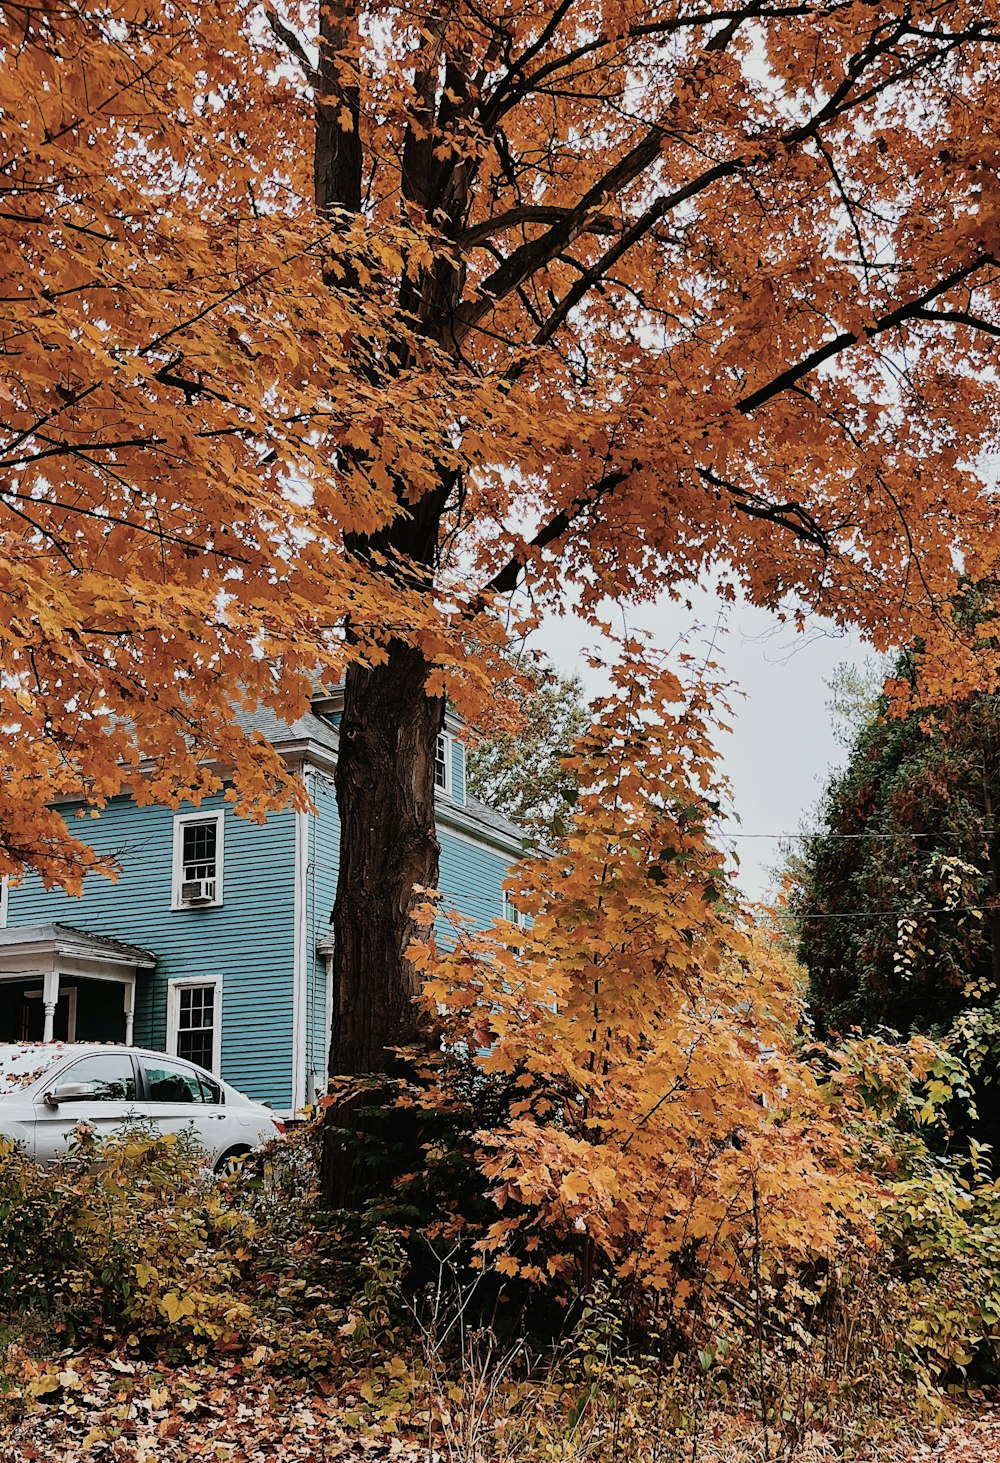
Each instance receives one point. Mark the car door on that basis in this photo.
(177, 1096)
(98, 1089)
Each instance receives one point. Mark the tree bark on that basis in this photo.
(385, 793)
(990, 767)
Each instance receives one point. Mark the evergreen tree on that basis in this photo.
(894, 902)
(897, 898)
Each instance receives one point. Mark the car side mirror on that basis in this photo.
(68, 1092)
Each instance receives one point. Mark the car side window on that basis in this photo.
(211, 1091)
(168, 1082)
(108, 1076)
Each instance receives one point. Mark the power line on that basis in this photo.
(897, 914)
(826, 836)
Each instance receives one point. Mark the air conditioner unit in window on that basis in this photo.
(198, 891)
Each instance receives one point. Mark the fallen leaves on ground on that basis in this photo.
(133, 1412)
(81, 1408)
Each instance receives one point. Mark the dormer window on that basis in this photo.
(197, 874)
(442, 762)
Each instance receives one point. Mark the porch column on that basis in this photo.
(50, 1000)
(129, 1010)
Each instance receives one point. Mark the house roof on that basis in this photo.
(316, 737)
(308, 731)
(489, 820)
(69, 941)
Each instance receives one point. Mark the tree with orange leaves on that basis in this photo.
(639, 1038)
(327, 331)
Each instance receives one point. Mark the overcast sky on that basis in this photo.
(782, 747)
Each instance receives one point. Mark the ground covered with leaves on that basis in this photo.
(81, 1407)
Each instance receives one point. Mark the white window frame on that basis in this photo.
(512, 914)
(175, 985)
(449, 770)
(181, 820)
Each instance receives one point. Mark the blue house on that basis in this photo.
(215, 942)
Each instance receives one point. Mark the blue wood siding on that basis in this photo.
(471, 879)
(248, 940)
(324, 862)
(457, 770)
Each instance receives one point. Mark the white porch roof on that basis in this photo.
(51, 953)
(34, 950)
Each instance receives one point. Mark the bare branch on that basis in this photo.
(295, 44)
(528, 213)
(959, 317)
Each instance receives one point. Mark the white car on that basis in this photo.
(48, 1089)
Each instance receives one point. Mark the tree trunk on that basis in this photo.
(385, 793)
(990, 767)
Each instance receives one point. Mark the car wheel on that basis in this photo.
(232, 1161)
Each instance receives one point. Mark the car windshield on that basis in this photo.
(21, 1064)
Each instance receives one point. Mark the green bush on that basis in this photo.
(131, 1236)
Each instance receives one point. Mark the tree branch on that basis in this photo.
(908, 311)
(506, 579)
(536, 253)
(959, 317)
(788, 515)
(289, 38)
(791, 515)
(528, 213)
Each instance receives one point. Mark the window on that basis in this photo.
(442, 762)
(514, 915)
(196, 1023)
(168, 1082)
(199, 841)
(197, 874)
(108, 1077)
(194, 1020)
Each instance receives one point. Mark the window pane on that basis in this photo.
(199, 849)
(110, 1077)
(196, 1046)
(196, 1024)
(168, 1082)
(196, 1007)
(441, 763)
(211, 1091)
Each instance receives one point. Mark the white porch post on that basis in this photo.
(50, 1000)
(129, 1009)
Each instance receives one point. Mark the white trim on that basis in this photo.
(175, 985)
(50, 1000)
(451, 817)
(328, 1005)
(300, 961)
(128, 1006)
(218, 816)
(449, 769)
(510, 912)
(4, 900)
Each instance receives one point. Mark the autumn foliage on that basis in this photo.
(363, 318)
(659, 1123)
(328, 328)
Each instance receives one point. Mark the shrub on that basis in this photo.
(128, 1236)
